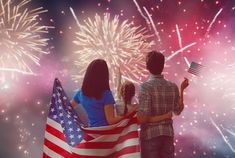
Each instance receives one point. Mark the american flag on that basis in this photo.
(66, 136)
(195, 68)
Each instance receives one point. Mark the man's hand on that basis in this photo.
(184, 84)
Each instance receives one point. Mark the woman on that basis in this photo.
(95, 96)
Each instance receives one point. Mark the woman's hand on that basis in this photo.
(168, 115)
(132, 110)
(73, 103)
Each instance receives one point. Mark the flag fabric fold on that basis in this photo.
(66, 136)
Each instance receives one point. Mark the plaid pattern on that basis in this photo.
(158, 96)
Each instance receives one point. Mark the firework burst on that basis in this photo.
(21, 40)
(121, 44)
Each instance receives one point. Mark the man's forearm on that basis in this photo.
(158, 118)
(181, 100)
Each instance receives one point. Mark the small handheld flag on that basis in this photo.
(196, 69)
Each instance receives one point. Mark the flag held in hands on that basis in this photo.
(196, 69)
(66, 136)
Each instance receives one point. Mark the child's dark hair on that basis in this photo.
(127, 93)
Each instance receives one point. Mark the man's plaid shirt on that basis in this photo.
(158, 96)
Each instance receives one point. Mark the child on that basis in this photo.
(127, 92)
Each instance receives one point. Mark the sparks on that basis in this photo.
(21, 39)
(120, 43)
(178, 35)
(213, 21)
(153, 25)
(179, 51)
(75, 17)
(140, 11)
(187, 62)
(222, 135)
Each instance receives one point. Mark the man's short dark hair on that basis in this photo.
(155, 62)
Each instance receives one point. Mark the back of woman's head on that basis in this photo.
(96, 79)
(127, 92)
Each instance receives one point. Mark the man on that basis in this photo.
(157, 97)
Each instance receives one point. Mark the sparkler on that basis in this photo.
(187, 62)
(153, 25)
(178, 34)
(119, 43)
(21, 39)
(180, 50)
(140, 11)
(222, 135)
(213, 21)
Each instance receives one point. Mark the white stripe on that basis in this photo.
(105, 152)
(132, 155)
(54, 124)
(51, 153)
(57, 141)
(113, 137)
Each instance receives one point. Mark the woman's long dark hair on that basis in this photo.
(96, 79)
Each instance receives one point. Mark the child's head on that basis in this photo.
(127, 92)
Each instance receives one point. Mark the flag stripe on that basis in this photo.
(57, 141)
(113, 137)
(106, 145)
(56, 148)
(51, 153)
(128, 152)
(106, 152)
(45, 156)
(131, 155)
(105, 131)
(54, 124)
(55, 132)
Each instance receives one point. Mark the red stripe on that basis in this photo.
(55, 132)
(107, 145)
(127, 150)
(57, 149)
(124, 151)
(88, 137)
(116, 130)
(45, 156)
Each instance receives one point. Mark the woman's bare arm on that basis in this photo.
(160, 117)
(110, 117)
(142, 118)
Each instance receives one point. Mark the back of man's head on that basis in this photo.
(155, 62)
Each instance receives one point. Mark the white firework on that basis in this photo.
(21, 41)
(121, 44)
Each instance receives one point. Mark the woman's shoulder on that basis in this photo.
(78, 91)
(107, 92)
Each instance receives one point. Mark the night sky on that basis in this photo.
(205, 128)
